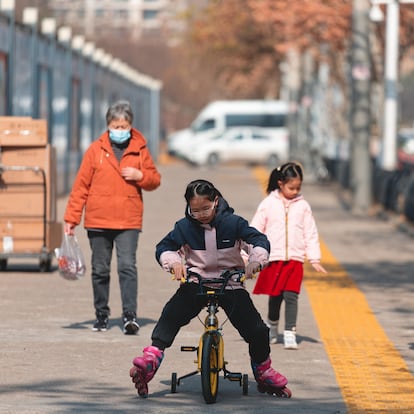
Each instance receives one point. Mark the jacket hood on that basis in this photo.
(278, 195)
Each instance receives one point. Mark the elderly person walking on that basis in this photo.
(108, 186)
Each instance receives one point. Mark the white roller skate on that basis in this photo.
(145, 368)
(269, 380)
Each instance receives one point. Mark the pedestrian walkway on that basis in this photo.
(355, 325)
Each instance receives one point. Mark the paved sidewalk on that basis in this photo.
(51, 361)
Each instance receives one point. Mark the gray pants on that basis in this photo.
(291, 308)
(102, 243)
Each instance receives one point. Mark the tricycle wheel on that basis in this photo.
(173, 383)
(210, 367)
(3, 265)
(45, 264)
(245, 384)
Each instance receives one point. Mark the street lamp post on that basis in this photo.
(388, 156)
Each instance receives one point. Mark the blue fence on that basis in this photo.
(44, 78)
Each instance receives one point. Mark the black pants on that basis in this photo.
(185, 305)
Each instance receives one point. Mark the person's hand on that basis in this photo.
(319, 268)
(132, 174)
(252, 269)
(69, 229)
(178, 271)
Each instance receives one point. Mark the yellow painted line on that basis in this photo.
(371, 373)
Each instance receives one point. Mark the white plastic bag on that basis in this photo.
(71, 261)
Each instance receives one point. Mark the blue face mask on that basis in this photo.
(118, 136)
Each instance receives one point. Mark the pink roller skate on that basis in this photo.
(145, 368)
(269, 380)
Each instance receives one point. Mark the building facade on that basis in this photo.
(116, 18)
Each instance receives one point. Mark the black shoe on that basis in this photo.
(101, 323)
(131, 326)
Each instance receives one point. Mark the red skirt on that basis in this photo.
(278, 277)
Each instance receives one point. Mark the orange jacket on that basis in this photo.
(109, 200)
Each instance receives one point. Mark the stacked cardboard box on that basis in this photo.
(28, 222)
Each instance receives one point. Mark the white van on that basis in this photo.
(219, 116)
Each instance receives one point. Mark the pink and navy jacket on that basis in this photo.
(213, 248)
(290, 228)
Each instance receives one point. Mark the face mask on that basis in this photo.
(118, 136)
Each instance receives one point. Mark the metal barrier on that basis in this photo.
(50, 75)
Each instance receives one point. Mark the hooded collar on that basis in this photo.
(276, 193)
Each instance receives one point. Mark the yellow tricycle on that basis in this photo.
(210, 350)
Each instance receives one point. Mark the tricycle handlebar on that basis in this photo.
(221, 281)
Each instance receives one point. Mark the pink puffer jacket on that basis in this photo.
(290, 227)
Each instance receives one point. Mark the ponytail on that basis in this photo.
(283, 173)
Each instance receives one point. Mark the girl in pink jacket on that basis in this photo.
(286, 219)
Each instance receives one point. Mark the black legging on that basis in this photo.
(185, 304)
(291, 308)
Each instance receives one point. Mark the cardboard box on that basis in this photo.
(25, 203)
(29, 236)
(28, 188)
(22, 131)
(28, 205)
(54, 235)
(27, 156)
(28, 170)
(19, 174)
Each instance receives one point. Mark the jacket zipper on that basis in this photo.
(286, 233)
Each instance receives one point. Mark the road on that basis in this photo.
(52, 362)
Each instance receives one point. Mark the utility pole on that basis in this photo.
(361, 167)
(293, 80)
(388, 159)
(389, 148)
(306, 100)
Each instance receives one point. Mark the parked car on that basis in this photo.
(244, 144)
(218, 116)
